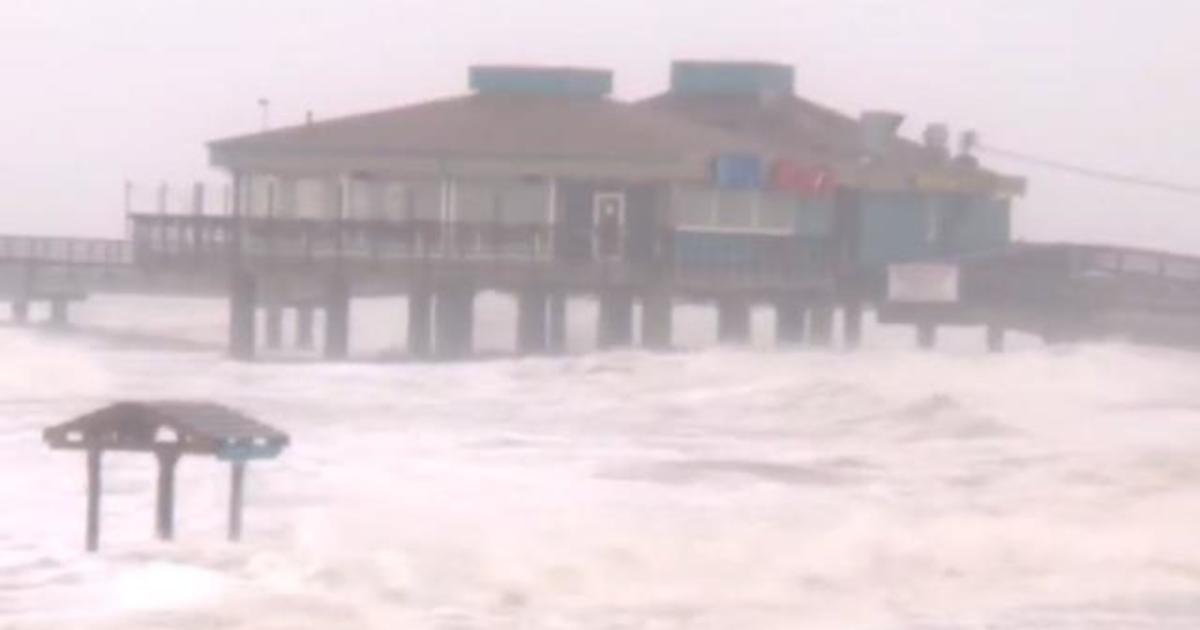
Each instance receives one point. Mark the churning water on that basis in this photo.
(715, 489)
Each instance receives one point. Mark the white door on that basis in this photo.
(608, 225)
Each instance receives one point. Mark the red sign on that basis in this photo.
(798, 178)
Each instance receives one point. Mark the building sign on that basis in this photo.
(798, 178)
(923, 283)
(738, 171)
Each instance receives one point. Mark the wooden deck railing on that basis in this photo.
(65, 250)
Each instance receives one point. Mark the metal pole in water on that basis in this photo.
(237, 482)
(93, 499)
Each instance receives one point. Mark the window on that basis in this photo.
(261, 198)
(737, 208)
(424, 200)
(310, 198)
(700, 208)
(695, 207)
(395, 201)
(814, 217)
(364, 199)
(505, 201)
(777, 212)
(475, 202)
(524, 202)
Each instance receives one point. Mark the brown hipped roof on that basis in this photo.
(795, 126)
(800, 129)
(510, 126)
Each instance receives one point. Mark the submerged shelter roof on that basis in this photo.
(192, 427)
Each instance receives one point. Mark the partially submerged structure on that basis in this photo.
(728, 189)
(168, 430)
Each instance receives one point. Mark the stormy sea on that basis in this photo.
(708, 489)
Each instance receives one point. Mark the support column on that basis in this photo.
(20, 312)
(616, 319)
(852, 321)
(242, 302)
(337, 318)
(94, 488)
(274, 325)
(995, 337)
(420, 316)
(733, 321)
(557, 325)
(304, 327)
(237, 483)
(926, 335)
(454, 324)
(656, 320)
(790, 317)
(59, 314)
(531, 322)
(821, 326)
(165, 504)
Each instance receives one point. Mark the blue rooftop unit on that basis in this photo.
(580, 82)
(731, 78)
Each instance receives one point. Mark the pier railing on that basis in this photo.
(180, 240)
(65, 251)
(203, 239)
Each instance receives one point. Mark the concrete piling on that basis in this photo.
(790, 318)
(242, 303)
(927, 335)
(657, 320)
(532, 337)
(995, 338)
(616, 319)
(304, 327)
(454, 323)
(420, 322)
(733, 320)
(20, 312)
(337, 318)
(556, 335)
(274, 326)
(821, 326)
(852, 324)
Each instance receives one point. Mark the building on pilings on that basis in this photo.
(727, 189)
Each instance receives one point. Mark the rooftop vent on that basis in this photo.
(878, 129)
(541, 81)
(937, 140)
(764, 80)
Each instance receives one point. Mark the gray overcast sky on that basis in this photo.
(98, 91)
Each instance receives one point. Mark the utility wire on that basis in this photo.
(1083, 171)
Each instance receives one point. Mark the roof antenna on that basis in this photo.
(264, 106)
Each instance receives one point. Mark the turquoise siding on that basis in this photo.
(547, 81)
(758, 254)
(814, 217)
(692, 77)
(896, 226)
(986, 224)
(893, 229)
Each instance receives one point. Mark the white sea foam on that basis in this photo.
(889, 489)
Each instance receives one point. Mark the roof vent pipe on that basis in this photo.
(937, 140)
(878, 129)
